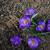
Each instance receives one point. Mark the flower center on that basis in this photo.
(41, 26)
(25, 21)
(33, 42)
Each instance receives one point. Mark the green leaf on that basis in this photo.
(39, 34)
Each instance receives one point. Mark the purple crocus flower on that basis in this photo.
(24, 22)
(29, 11)
(40, 26)
(15, 41)
(33, 42)
(48, 25)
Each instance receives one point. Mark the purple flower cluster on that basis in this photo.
(33, 42)
(25, 21)
(42, 26)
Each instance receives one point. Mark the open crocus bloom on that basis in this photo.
(24, 22)
(40, 26)
(33, 42)
(29, 11)
(15, 41)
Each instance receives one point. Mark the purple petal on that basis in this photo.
(29, 11)
(15, 40)
(48, 27)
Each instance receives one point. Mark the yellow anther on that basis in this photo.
(25, 21)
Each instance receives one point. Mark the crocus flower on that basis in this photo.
(40, 26)
(15, 41)
(48, 25)
(24, 22)
(33, 42)
(29, 11)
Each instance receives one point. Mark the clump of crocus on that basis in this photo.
(15, 41)
(40, 26)
(29, 11)
(48, 25)
(33, 42)
(24, 22)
